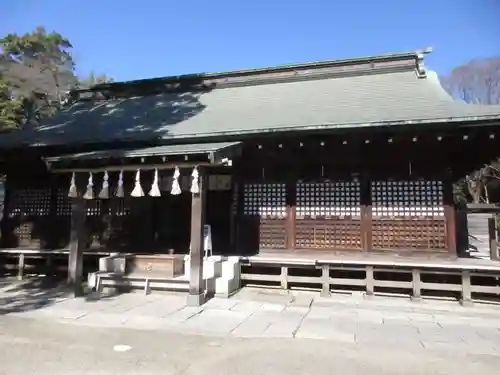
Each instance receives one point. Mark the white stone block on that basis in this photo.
(212, 267)
(229, 281)
(114, 263)
(92, 280)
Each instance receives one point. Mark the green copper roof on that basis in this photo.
(368, 92)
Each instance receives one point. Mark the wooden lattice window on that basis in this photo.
(63, 203)
(327, 199)
(122, 207)
(408, 215)
(29, 210)
(264, 205)
(328, 215)
(30, 202)
(407, 198)
(266, 200)
(93, 207)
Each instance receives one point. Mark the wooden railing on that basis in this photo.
(467, 282)
(26, 256)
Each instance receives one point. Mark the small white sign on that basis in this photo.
(207, 240)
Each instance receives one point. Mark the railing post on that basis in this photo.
(416, 281)
(20, 267)
(284, 277)
(325, 278)
(466, 289)
(370, 288)
(492, 231)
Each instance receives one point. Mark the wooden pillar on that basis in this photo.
(492, 234)
(450, 213)
(196, 295)
(451, 231)
(366, 212)
(76, 244)
(291, 213)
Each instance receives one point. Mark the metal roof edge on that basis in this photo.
(416, 55)
(344, 126)
(235, 135)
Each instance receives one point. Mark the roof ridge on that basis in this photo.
(349, 66)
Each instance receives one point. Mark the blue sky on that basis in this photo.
(138, 39)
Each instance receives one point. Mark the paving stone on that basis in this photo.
(281, 330)
(268, 316)
(384, 337)
(220, 303)
(371, 316)
(461, 320)
(421, 317)
(488, 334)
(146, 323)
(247, 306)
(302, 300)
(61, 313)
(319, 312)
(297, 309)
(344, 314)
(153, 309)
(445, 346)
(285, 326)
(30, 314)
(82, 304)
(121, 306)
(181, 315)
(99, 319)
(430, 326)
(335, 299)
(479, 345)
(400, 325)
(396, 316)
(272, 307)
(269, 296)
(254, 326)
(314, 328)
(214, 322)
(367, 326)
(279, 299)
(440, 336)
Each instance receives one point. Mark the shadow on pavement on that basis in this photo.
(30, 294)
(35, 293)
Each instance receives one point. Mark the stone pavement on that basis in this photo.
(256, 313)
(46, 347)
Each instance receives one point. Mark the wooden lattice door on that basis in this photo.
(28, 216)
(328, 215)
(264, 215)
(408, 215)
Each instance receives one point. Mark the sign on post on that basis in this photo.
(207, 241)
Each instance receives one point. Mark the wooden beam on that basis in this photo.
(134, 167)
(196, 295)
(76, 244)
